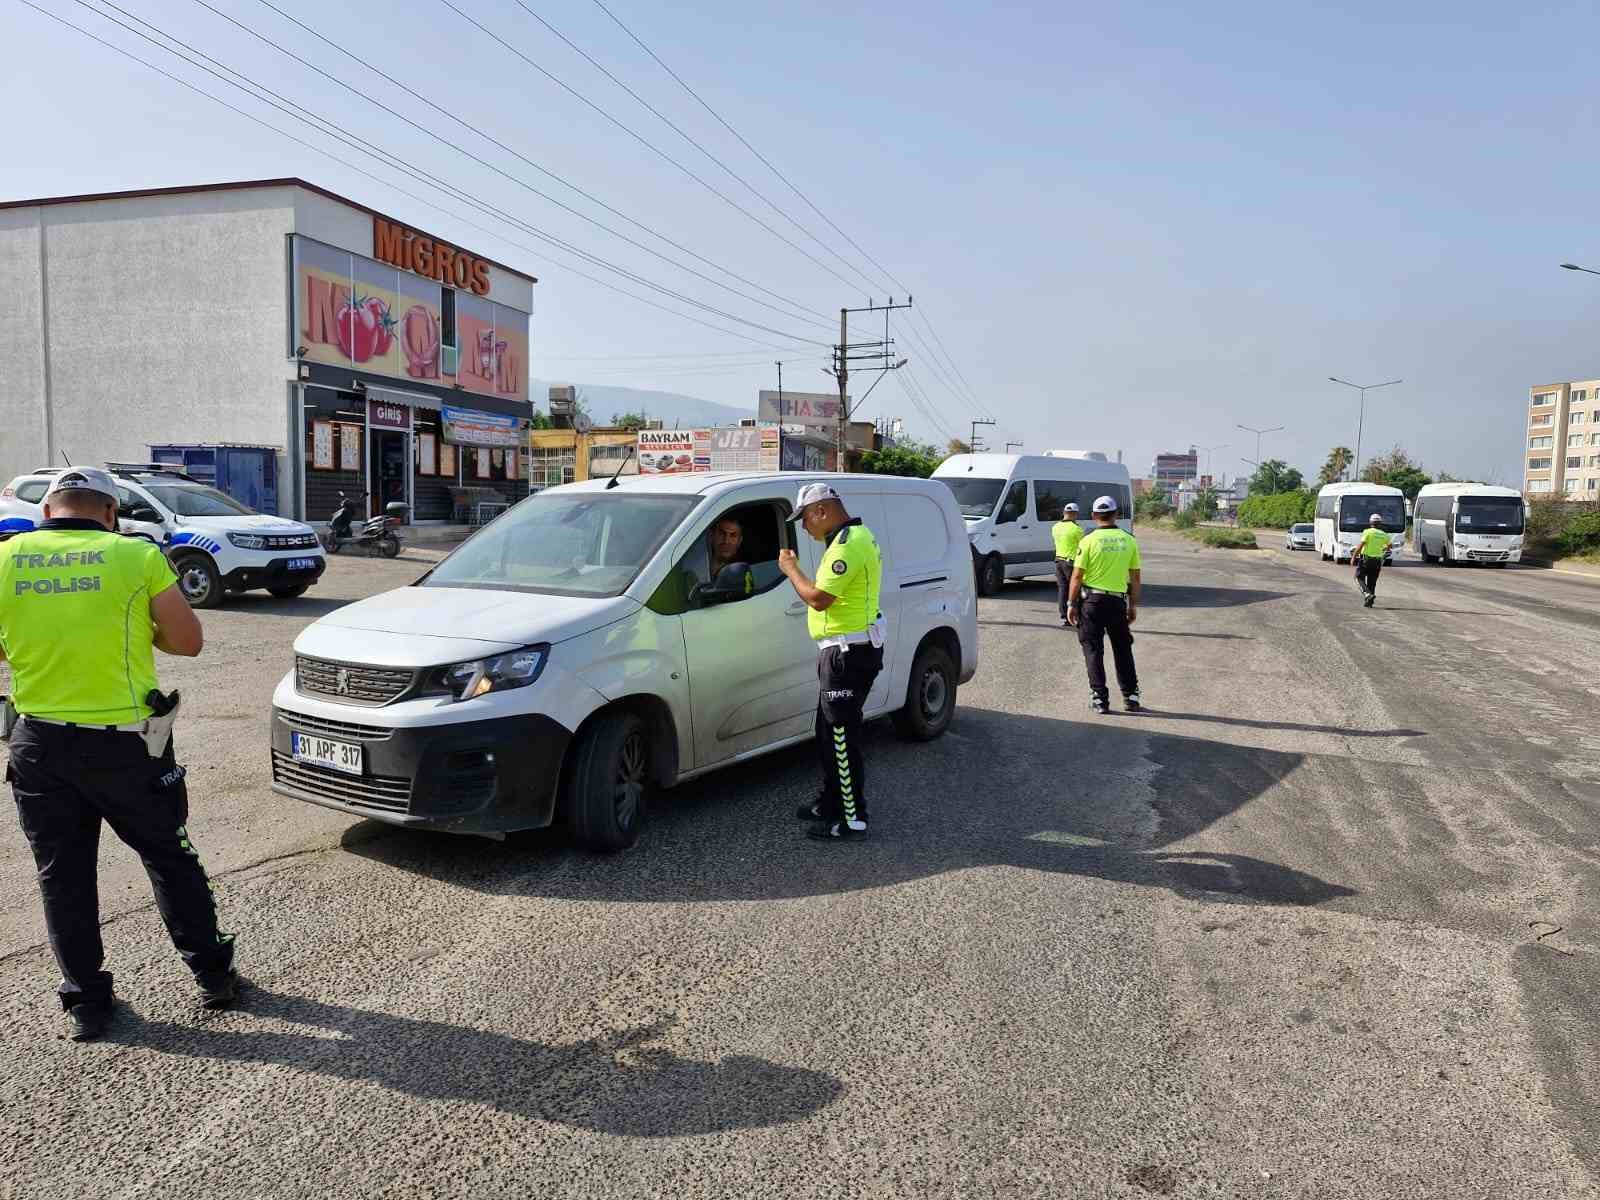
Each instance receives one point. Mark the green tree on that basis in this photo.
(1274, 476)
(629, 420)
(540, 420)
(1151, 505)
(1409, 480)
(1338, 463)
(1205, 503)
(899, 460)
(957, 446)
(1397, 469)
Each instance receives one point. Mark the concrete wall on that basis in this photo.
(22, 412)
(165, 320)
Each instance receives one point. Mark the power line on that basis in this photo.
(686, 136)
(346, 163)
(388, 159)
(802, 313)
(646, 142)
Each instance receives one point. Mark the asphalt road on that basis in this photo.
(1318, 925)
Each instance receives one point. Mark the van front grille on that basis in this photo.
(351, 683)
(387, 793)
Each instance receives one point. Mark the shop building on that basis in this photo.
(376, 359)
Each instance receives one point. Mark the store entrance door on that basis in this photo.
(391, 478)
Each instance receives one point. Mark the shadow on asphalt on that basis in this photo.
(617, 1085)
(1139, 630)
(1103, 801)
(1292, 726)
(307, 608)
(1154, 595)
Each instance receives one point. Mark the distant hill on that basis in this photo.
(602, 402)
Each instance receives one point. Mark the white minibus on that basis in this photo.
(1345, 509)
(1009, 502)
(1469, 523)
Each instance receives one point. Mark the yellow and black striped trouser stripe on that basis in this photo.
(841, 754)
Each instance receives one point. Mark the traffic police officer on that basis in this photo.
(1368, 557)
(81, 611)
(848, 629)
(1105, 602)
(1066, 533)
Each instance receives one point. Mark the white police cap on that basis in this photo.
(812, 493)
(83, 479)
(1070, 507)
(1105, 504)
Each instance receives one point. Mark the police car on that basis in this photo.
(216, 544)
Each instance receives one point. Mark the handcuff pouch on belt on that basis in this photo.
(157, 733)
(8, 718)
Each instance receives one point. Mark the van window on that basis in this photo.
(566, 544)
(919, 538)
(974, 497)
(745, 541)
(1016, 504)
(1050, 496)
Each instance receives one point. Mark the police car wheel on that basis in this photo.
(606, 781)
(199, 581)
(930, 696)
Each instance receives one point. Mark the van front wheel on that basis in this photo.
(930, 696)
(606, 781)
(991, 575)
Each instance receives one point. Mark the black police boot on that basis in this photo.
(88, 1020)
(811, 811)
(1132, 703)
(219, 989)
(838, 831)
(1099, 705)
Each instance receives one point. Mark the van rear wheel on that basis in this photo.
(606, 781)
(930, 696)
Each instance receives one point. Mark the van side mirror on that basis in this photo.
(733, 582)
(143, 512)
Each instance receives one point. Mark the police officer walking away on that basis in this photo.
(848, 629)
(1105, 602)
(1066, 533)
(1368, 557)
(81, 611)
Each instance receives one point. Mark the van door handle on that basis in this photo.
(795, 609)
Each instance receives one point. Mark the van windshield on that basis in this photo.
(975, 498)
(1355, 512)
(566, 544)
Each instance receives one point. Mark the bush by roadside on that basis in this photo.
(1278, 511)
(1563, 529)
(1229, 539)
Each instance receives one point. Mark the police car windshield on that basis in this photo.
(197, 500)
(975, 498)
(566, 544)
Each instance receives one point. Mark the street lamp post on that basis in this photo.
(1576, 267)
(1361, 419)
(1258, 433)
(1206, 450)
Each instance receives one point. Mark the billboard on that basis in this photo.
(741, 448)
(351, 311)
(467, 427)
(815, 410)
(667, 452)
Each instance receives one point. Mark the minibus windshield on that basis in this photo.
(974, 497)
(1489, 514)
(566, 544)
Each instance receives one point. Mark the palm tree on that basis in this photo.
(1338, 463)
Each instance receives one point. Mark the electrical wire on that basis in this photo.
(393, 161)
(346, 163)
(645, 142)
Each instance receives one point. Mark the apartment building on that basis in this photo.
(1563, 446)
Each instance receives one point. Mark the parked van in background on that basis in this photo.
(575, 654)
(1345, 509)
(1469, 523)
(1009, 502)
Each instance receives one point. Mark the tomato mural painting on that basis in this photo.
(366, 330)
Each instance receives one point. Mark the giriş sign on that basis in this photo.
(428, 257)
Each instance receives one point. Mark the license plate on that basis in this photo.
(302, 564)
(325, 752)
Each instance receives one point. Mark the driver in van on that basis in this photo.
(724, 544)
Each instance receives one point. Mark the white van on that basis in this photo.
(1469, 523)
(573, 655)
(1009, 502)
(1345, 509)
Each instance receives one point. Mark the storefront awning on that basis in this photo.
(386, 395)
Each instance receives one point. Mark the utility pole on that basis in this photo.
(779, 365)
(879, 352)
(1018, 445)
(972, 445)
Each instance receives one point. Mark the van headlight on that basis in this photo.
(467, 680)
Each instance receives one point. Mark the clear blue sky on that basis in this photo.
(1133, 225)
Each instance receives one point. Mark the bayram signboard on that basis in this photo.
(741, 448)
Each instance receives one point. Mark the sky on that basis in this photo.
(1127, 227)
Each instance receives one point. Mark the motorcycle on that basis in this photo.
(375, 532)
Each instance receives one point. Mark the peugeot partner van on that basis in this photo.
(1009, 502)
(575, 654)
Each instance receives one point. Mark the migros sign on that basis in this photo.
(431, 259)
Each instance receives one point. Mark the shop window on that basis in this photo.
(447, 332)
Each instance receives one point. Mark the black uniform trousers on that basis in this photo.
(1367, 571)
(66, 782)
(1063, 584)
(1105, 615)
(846, 674)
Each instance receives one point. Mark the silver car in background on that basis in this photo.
(1301, 537)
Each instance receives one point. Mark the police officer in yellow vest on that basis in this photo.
(1066, 533)
(81, 611)
(1368, 558)
(1105, 602)
(848, 629)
